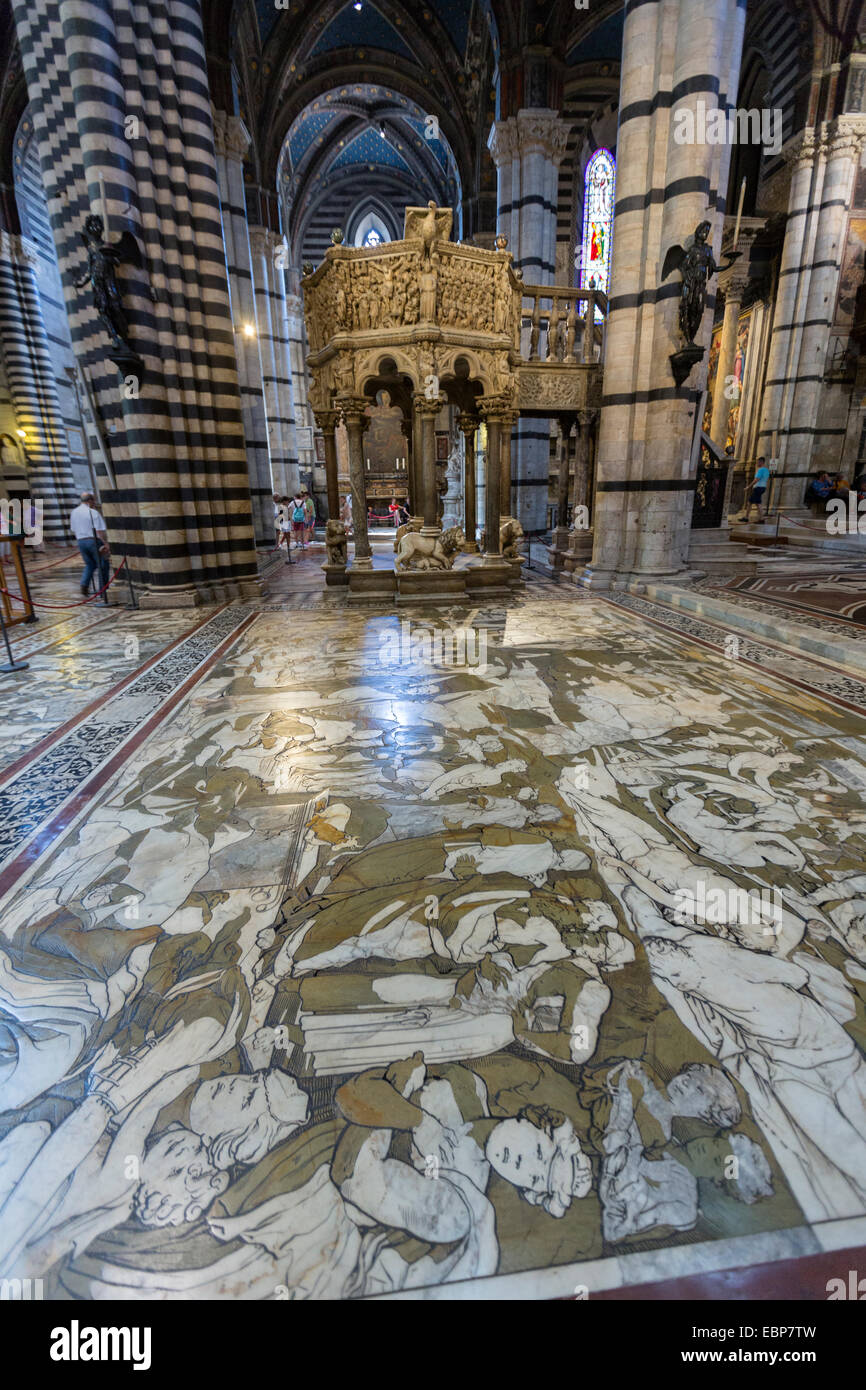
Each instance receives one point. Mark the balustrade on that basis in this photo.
(558, 323)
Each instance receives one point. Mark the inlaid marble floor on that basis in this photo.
(344, 955)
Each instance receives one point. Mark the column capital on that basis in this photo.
(231, 136)
(354, 408)
(502, 142)
(846, 135)
(495, 408)
(543, 131)
(18, 250)
(428, 405)
(733, 281)
(326, 419)
(263, 242)
(536, 130)
(586, 417)
(467, 423)
(803, 148)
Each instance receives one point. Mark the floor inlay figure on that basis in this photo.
(363, 973)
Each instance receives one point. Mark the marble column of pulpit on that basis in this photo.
(733, 283)
(354, 414)
(335, 574)
(559, 540)
(427, 408)
(580, 535)
(469, 427)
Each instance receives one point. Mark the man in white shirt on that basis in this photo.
(88, 528)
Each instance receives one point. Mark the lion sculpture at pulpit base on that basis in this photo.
(420, 552)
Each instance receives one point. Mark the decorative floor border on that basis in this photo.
(829, 682)
(747, 598)
(47, 788)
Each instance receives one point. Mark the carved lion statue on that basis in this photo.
(414, 525)
(510, 539)
(335, 542)
(429, 552)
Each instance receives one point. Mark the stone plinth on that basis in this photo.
(430, 586)
(366, 585)
(489, 580)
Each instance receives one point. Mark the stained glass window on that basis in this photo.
(372, 238)
(599, 182)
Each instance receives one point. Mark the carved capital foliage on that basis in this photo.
(354, 410)
(801, 149)
(428, 405)
(327, 420)
(264, 242)
(231, 137)
(846, 136)
(18, 250)
(531, 130)
(502, 142)
(495, 408)
(733, 282)
(543, 131)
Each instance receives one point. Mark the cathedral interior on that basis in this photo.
(433, 663)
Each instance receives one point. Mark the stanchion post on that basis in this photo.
(12, 664)
(133, 601)
(25, 583)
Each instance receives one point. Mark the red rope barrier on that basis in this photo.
(80, 604)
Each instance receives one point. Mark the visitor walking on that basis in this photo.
(279, 503)
(762, 479)
(309, 516)
(88, 528)
(346, 514)
(283, 520)
(394, 510)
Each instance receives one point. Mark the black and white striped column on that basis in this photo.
(232, 140)
(119, 94)
(268, 250)
(794, 416)
(296, 337)
(527, 150)
(676, 53)
(31, 384)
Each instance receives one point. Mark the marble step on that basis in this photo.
(774, 626)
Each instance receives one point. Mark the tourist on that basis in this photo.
(759, 486)
(278, 530)
(346, 514)
(88, 527)
(819, 488)
(405, 514)
(840, 487)
(309, 516)
(299, 521)
(284, 523)
(394, 511)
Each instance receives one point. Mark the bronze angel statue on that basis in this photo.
(697, 266)
(102, 261)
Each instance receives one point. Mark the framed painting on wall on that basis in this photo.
(75, 442)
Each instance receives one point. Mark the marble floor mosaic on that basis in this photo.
(513, 952)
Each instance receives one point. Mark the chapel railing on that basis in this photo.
(559, 324)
